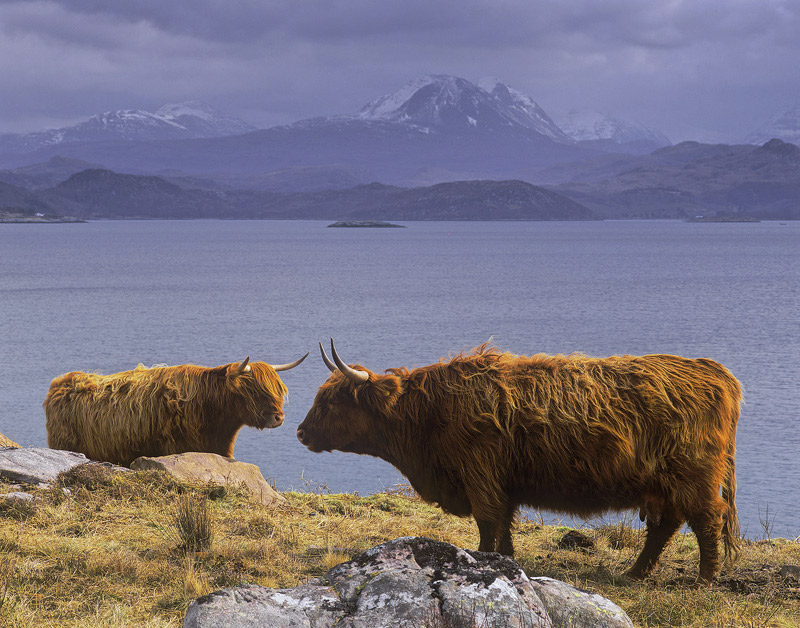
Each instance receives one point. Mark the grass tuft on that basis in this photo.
(91, 476)
(193, 524)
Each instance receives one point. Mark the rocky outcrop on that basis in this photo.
(204, 468)
(412, 582)
(7, 442)
(37, 465)
(40, 466)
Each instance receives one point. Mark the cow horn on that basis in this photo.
(331, 366)
(291, 365)
(353, 374)
(243, 365)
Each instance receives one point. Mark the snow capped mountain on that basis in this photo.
(783, 125)
(202, 120)
(189, 120)
(439, 102)
(586, 125)
(524, 109)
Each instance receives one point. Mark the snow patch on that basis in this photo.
(584, 124)
(783, 125)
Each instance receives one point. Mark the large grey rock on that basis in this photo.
(406, 582)
(417, 581)
(573, 607)
(37, 465)
(205, 468)
(412, 582)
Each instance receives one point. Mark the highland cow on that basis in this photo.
(162, 410)
(484, 433)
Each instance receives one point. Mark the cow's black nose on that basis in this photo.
(301, 435)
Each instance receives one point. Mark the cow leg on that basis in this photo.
(488, 532)
(659, 533)
(707, 528)
(504, 543)
(496, 532)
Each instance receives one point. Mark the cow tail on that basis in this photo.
(730, 524)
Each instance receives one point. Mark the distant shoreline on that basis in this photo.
(724, 219)
(15, 215)
(24, 221)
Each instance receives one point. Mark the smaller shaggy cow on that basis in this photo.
(483, 434)
(163, 410)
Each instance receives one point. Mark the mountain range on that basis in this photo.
(187, 120)
(436, 129)
(681, 181)
(99, 194)
(691, 179)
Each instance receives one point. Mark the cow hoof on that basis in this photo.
(634, 575)
(704, 583)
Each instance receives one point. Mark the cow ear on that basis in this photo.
(220, 372)
(382, 391)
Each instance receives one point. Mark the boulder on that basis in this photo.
(575, 540)
(570, 606)
(37, 465)
(204, 468)
(5, 441)
(408, 582)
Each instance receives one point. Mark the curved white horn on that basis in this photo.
(243, 365)
(353, 374)
(331, 366)
(291, 365)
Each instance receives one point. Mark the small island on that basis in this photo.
(366, 223)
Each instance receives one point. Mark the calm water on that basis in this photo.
(105, 296)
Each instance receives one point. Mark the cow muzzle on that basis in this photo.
(305, 438)
(302, 436)
(272, 420)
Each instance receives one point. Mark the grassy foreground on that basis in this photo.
(134, 549)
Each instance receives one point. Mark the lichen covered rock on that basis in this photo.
(403, 583)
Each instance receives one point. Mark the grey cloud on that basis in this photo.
(630, 22)
(283, 60)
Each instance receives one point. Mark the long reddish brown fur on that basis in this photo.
(160, 411)
(484, 433)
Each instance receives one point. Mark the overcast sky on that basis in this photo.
(693, 69)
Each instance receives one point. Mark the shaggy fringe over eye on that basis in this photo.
(267, 380)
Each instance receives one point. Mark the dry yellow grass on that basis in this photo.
(5, 441)
(111, 553)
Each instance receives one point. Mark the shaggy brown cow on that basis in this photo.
(484, 433)
(162, 410)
